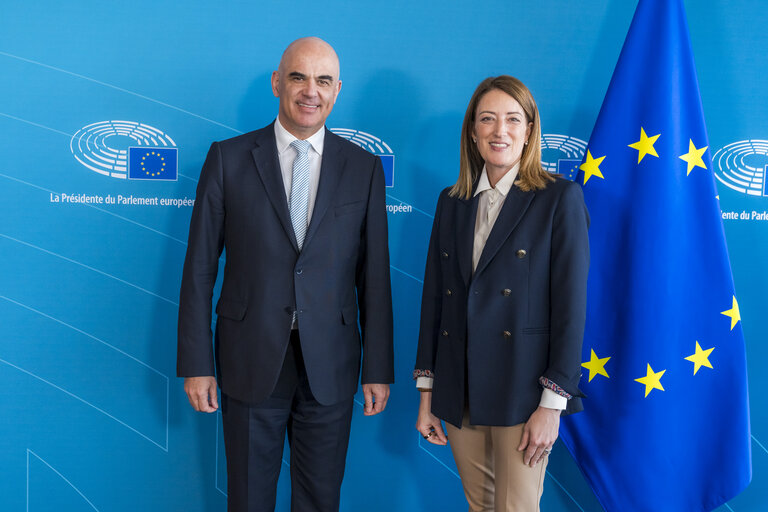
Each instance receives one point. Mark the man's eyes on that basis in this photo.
(323, 82)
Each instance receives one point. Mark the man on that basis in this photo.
(301, 214)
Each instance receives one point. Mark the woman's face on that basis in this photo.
(501, 130)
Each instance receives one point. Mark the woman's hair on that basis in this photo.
(531, 175)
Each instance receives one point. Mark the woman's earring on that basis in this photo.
(475, 140)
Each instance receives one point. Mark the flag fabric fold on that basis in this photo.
(666, 420)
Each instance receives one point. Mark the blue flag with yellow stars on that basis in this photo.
(666, 420)
(147, 163)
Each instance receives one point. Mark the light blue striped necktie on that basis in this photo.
(299, 202)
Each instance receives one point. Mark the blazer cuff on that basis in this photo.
(548, 384)
(423, 373)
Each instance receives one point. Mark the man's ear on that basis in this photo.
(276, 84)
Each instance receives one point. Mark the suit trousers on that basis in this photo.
(254, 436)
(492, 471)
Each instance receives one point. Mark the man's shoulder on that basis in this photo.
(350, 149)
(249, 139)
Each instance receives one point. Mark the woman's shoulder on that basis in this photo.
(445, 194)
(562, 187)
(560, 184)
(447, 203)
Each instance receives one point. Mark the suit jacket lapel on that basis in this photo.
(331, 169)
(465, 234)
(268, 166)
(515, 206)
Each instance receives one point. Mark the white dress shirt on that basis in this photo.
(489, 205)
(286, 154)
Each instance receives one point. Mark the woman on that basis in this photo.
(503, 307)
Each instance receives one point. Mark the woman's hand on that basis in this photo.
(539, 434)
(427, 423)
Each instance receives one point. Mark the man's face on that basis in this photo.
(307, 83)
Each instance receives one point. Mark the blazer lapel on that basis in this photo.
(331, 169)
(465, 234)
(515, 206)
(268, 166)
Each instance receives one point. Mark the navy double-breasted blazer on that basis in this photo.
(343, 267)
(488, 337)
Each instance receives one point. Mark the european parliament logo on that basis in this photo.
(376, 146)
(743, 166)
(126, 150)
(562, 154)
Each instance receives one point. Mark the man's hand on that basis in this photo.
(201, 392)
(376, 396)
(539, 434)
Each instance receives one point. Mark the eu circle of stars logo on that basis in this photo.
(147, 163)
(153, 167)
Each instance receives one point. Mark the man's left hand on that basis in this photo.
(376, 396)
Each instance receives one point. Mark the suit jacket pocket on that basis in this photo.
(536, 330)
(349, 208)
(231, 309)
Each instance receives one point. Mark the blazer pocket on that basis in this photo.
(536, 330)
(349, 208)
(349, 315)
(231, 309)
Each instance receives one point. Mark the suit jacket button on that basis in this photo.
(507, 334)
(444, 333)
(448, 292)
(521, 253)
(506, 292)
(444, 255)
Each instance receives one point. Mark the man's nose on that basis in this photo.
(310, 88)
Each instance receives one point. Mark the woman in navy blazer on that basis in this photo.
(504, 304)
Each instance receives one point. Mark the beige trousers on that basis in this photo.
(492, 470)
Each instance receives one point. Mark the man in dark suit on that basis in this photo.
(301, 215)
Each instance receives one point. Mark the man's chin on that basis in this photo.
(308, 126)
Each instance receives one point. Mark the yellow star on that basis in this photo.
(652, 380)
(700, 358)
(596, 366)
(693, 157)
(645, 145)
(733, 313)
(591, 167)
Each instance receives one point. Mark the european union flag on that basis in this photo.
(388, 163)
(666, 425)
(568, 168)
(146, 163)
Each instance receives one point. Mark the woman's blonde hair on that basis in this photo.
(531, 175)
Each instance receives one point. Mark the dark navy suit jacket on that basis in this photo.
(241, 207)
(519, 317)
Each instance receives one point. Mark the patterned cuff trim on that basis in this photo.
(554, 387)
(423, 373)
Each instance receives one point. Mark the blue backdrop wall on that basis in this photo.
(92, 415)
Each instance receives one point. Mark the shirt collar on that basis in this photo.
(283, 138)
(502, 186)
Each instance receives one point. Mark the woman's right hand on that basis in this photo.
(428, 424)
